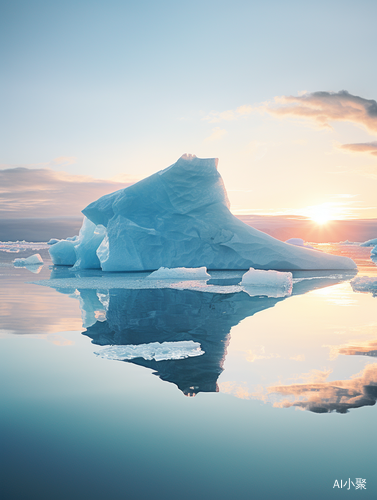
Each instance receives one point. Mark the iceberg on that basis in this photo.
(33, 260)
(270, 283)
(374, 251)
(63, 253)
(369, 243)
(180, 217)
(52, 241)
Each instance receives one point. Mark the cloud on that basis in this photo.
(230, 114)
(217, 133)
(61, 161)
(363, 147)
(338, 395)
(42, 192)
(324, 107)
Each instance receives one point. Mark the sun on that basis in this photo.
(321, 215)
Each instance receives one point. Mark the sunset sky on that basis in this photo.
(96, 95)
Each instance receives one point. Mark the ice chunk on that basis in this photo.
(374, 251)
(365, 284)
(154, 350)
(33, 260)
(90, 238)
(270, 283)
(299, 243)
(179, 217)
(52, 241)
(369, 243)
(181, 273)
(63, 253)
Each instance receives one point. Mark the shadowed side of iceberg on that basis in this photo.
(179, 217)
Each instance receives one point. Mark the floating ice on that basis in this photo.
(21, 246)
(154, 350)
(179, 217)
(365, 284)
(33, 260)
(369, 243)
(374, 251)
(86, 245)
(270, 283)
(181, 273)
(298, 242)
(63, 253)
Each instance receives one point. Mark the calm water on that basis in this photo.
(284, 392)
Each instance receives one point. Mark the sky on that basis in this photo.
(96, 95)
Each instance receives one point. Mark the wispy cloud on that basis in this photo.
(217, 134)
(42, 192)
(320, 108)
(61, 161)
(230, 114)
(363, 147)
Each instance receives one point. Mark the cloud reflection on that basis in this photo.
(324, 397)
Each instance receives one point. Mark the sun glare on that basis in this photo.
(321, 215)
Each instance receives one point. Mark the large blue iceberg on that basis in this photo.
(179, 217)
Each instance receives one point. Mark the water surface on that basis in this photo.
(285, 388)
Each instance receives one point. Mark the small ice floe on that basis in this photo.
(269, 283)
(33, 263)
(365, 284)
(33, 260)
(369, 243)
(299, 242)
(347, 242)
(180, 273)
(154, 350)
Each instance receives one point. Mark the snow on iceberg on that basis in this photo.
(369, 243)
(179, 217)
(33, 260)
(270, 283)
(365, 284)
(154, 350)
(299, 242)
(180, 273)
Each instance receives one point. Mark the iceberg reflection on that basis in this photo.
(135, 314)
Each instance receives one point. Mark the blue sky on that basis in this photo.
(117, 90)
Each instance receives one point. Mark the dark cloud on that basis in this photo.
(324, 107)
(363, 147)
(42, 192)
